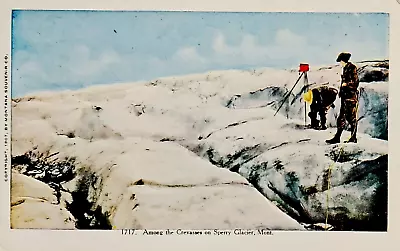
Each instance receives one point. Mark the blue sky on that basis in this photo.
(59, 50)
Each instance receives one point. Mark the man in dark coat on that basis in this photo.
(349, 99)
(321, 99)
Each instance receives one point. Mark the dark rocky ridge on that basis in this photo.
(47, 168)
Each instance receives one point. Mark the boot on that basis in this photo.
(336, 138)
(315, 124)
(353, 138)
(322, 115)
(323, 121)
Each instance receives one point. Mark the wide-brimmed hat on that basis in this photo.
(344, 56)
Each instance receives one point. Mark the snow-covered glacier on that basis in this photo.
(200, 151)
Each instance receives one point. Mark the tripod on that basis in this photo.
(304, 68)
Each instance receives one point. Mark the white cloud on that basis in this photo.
(109, 57)
(219, 45)
(287, 44)
(82, 62)
(31, 67)
(286, 47)
(82, 65)
(286, 37)
(189, 55)
(184, 60)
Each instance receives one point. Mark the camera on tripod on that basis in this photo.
(304, 67)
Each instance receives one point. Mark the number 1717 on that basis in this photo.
(127, 231)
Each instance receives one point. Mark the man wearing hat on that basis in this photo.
(320, 99)
(349, 99)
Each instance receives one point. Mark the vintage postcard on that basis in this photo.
(196, 123)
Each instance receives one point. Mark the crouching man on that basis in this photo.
(321, 99)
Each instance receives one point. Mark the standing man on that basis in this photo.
(321, 99)
(349, 99)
